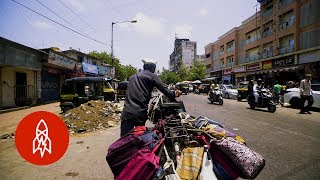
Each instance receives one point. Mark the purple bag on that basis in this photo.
(121, 152)
(143, 165)
(249, 162)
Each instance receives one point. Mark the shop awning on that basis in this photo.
(280, 69)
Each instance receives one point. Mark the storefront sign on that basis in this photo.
(227, 71)
(239, 69)
(90, 68)
(254, 67)
(216, 74)
(241, 75)
(267, 64)
(61, 61)
(104, 70)
(283, 61)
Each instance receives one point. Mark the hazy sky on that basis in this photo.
(151, 37)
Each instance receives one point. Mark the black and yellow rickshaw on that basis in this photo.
(79, 90)
(122, 89)
(183, 87)
(242, 90)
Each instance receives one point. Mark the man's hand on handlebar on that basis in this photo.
(178, 93)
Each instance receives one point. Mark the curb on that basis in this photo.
(14, 109)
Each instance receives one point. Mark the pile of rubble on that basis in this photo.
(92, 116)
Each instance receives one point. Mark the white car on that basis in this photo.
(228, 91)
(292, 96)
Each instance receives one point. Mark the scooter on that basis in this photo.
(215, 95)
(265, 101)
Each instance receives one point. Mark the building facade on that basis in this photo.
(20, 74)
(185, 52)
(281, 42)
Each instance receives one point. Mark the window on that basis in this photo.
(291, 42)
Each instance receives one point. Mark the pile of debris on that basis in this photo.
(92, 116)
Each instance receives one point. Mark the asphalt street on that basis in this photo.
(290, 142)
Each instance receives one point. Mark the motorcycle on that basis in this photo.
(215, 95)
(161, 107)
(265, 101)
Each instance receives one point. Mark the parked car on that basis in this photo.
(229, 91)
(292, 96)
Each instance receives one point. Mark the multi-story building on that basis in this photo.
(185, 51)
(281, 42)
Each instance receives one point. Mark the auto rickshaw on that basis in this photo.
(242, 90)
(79, 90)
(122, 89)
(183, 87)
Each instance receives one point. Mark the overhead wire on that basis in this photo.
(82, 34)
(76, 15)
(59, 16)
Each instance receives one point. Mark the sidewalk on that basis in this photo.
(9, 121)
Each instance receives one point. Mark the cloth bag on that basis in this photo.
(218, 132)
(190, 162)
(169, 168)
(121, 151)
(249, 162)
(143, 165)
(207, 167)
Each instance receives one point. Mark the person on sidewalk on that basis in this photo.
(306, 94)
(135, 112)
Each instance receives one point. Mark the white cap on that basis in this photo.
(147, 61)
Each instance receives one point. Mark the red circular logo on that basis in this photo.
(42, 138)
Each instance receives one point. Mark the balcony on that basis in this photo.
(230, 49)
(267, 13)
(222, 66)
(267, 33)
(285, 50)
(221, 53)
(285, 25)
(285, 2)
(253, 57)
(253, 39)
(230, 64)
(267, 54)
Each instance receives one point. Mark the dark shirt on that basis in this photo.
(139, 93)
(250, 89)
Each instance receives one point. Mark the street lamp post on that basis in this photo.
(113, 23)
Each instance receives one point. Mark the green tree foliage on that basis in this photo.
(169, 77)
(184, 73)
(122, 72)
(197, 71)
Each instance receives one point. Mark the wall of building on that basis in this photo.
(8, 75)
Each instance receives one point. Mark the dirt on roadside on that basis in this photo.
(92, 116)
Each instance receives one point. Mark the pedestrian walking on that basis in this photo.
(306, 94)
(277, 90)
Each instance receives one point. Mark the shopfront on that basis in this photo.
(55, 70)
(254, 71)
(311, 62)
(239, 73)
(226, 78)
(217, 75)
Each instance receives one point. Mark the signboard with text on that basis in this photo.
(239, 69)
(227, 71)
(283, 61)
(254, 67)
(61, 61)
(267, 64)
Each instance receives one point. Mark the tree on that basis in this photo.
(129, 71)
(197, 71)
(183, 73)
(169, 77)
(122, 72)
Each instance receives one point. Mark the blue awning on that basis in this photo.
(102, 70)
(90, 68)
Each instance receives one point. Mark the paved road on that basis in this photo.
(289, 142)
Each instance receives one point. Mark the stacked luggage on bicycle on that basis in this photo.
(183, 147)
